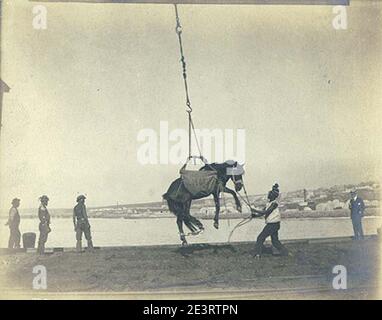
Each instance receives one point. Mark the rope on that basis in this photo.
(195, 136)
(178, 30)
(246, 201)
(245, 220)
(240, 224)
(191, 127)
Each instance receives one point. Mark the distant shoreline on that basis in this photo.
(334, 214)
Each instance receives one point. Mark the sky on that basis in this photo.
(308, 96)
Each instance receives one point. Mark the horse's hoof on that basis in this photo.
(216, 225)
(184, 243)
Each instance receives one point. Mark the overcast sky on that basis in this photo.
(307, 95)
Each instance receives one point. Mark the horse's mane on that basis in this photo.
(219, 167)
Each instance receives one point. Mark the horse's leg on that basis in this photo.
(189, 224)
(233, 193)
(187, 218)
(195, 223)
(217, 210)
(176, 208)
(179, 222)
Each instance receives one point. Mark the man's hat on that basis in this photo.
(354, 191)
(80, 197)
(44, 197)
(275, 190)
(15, 200)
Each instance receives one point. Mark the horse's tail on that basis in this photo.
(172, 205)
(178, 209)
(165, 196)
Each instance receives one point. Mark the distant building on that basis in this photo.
(312, 205)
(365, 188)
(291, 206)
(374, 203)
(335, 204)
(207, 210)
(227, 209)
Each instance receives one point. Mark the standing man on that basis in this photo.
(44, 227)
(14, 223)
(357, 208)
(81, 223)
(272, 223)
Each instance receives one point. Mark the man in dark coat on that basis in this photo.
(81, 223)
(357, 208)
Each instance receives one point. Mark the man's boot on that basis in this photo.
(90, 245)
(79, 246)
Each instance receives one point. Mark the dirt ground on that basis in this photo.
(199, 271)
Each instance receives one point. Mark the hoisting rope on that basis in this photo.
(246, 200)
(191, 127)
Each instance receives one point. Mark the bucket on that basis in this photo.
(29, 240)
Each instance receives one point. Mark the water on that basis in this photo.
(121, 232)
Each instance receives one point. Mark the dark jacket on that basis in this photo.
(43, 215)
(357, 207)
(79, 212)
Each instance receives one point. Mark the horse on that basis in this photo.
(179, 198)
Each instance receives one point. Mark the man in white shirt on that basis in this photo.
(44, 226)
(14, 223)
(272, 220)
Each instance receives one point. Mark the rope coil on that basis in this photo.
(240, 224)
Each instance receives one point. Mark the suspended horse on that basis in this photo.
(211, 179)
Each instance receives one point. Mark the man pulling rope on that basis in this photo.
(272, 220)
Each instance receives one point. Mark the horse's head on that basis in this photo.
(235, 172)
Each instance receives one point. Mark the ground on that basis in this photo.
(199, 271)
